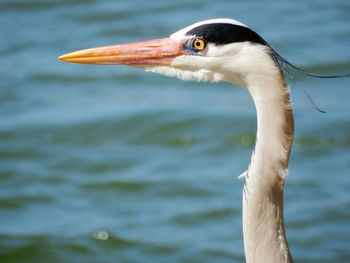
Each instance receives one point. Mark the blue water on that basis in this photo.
(112, 164)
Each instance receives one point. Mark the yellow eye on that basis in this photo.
(199, 44)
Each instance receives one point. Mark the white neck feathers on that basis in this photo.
(263, 225)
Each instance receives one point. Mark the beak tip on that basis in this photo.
(63, 58)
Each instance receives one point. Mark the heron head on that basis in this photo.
(211, 50)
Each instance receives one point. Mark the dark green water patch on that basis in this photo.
(184, 191)
(24, 200)
(21, 5)
(202, 216)
(121, 186)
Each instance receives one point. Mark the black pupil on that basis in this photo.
(198, 44)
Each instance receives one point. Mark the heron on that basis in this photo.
(227, 50)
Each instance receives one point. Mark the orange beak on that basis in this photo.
(150, 52)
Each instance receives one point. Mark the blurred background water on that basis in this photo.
(112, 164)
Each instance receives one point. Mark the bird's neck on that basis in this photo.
(263, 225)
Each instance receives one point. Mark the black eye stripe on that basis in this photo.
(224, 33)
